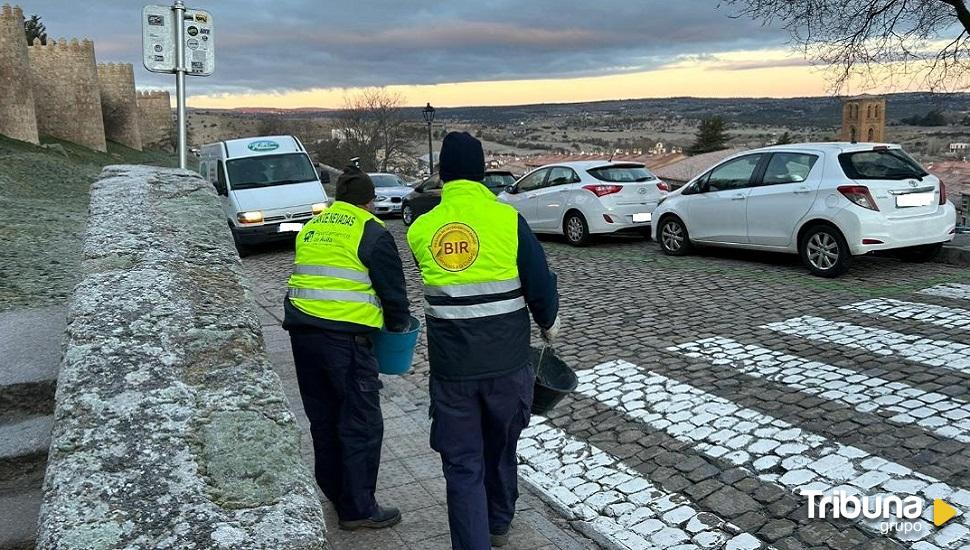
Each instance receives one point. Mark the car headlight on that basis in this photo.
(380, 198)
(250, 217)
(318, 207)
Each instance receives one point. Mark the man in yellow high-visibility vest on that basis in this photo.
(347, 283)
(484, 272)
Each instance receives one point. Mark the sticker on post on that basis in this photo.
(641, 217)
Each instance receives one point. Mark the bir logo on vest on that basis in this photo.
(454, 247)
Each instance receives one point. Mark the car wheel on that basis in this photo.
(407, 214)
(919, 254)
(674, 239)
(824, 251)
(576, 229)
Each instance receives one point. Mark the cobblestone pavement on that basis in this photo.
(717, 387)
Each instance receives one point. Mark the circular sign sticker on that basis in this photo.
(454, 247)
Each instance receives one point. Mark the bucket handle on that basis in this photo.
(539, 366)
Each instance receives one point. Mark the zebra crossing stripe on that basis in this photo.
(949, 290)
(771, 449)
(948, 317)
(941, 414)
(934, 353)
(614, 504)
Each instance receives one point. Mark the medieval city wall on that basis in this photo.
(67, 93)
(18, 118)
(155, 115)
(119, 104)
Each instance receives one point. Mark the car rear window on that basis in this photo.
(622, 174)
(881, 164)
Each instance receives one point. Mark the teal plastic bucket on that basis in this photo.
(395, 350)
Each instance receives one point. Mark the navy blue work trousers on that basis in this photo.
(475, 427)
(340, 386)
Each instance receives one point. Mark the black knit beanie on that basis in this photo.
(355, 187)
(462, 158)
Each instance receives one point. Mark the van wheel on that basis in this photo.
(576, 229)
(242, 249)
(674, 239)
(407, 214)
(919, 254)
(824, 252)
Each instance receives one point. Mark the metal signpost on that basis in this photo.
(181, 41)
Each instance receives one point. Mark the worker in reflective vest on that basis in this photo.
(484, 272)
(347, 283)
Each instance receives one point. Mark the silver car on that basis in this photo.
(391, 189)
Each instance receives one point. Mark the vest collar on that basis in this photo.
(360, 212)
(461, 189)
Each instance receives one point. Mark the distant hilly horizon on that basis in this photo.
(809, 111)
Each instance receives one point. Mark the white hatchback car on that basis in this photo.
(580, 199)
(827, 202)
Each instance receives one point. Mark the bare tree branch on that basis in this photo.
(922, 39)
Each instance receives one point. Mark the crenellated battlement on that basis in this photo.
(8, 12)
(59, 89)
(74, 45)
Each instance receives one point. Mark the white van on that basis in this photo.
(268, 185)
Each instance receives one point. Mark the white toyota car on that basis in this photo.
(826, 202)
(580, 199)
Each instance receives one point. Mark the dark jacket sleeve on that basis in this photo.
(379, 253)
(538, 283)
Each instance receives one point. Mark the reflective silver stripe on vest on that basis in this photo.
(473, 289)
(335, 272)
(333, 295)
(474, 311)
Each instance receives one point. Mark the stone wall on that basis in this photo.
(17, 116)
(864, 119)
(171, 429)
(119, 104)
(66, 92)
(155, 116)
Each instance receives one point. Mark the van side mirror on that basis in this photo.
(325, 177)
(221, 189)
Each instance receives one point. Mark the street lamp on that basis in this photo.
(428, 114)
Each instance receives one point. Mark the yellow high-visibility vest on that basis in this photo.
(467, 250)
(329, 281)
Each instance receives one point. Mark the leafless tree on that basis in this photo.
(373, 124)
(928, 40)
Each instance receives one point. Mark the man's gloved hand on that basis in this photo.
(549, 335)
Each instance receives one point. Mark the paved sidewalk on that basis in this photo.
(410, 476)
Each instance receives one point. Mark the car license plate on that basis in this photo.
(290, 227)
(637, 218)
(910, 200)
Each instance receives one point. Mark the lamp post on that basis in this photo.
(428, 114)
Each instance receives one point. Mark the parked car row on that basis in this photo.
(827, 202)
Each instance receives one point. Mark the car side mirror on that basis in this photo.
(511, 189)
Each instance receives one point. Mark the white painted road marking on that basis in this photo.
(760, 444)
(949, 290)
(935, 353)
(939, 413)
(616, 505)
(948, 317)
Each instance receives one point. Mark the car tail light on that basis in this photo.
(607, 218)
(942, 193)
(664, 187)
(860, 195)
(603, 190)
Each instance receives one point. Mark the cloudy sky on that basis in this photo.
(298, 53)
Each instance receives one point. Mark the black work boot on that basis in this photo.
(500, 539)
(382, 518)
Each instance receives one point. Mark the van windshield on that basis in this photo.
(270, 170)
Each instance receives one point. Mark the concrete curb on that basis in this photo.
(954, 255)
